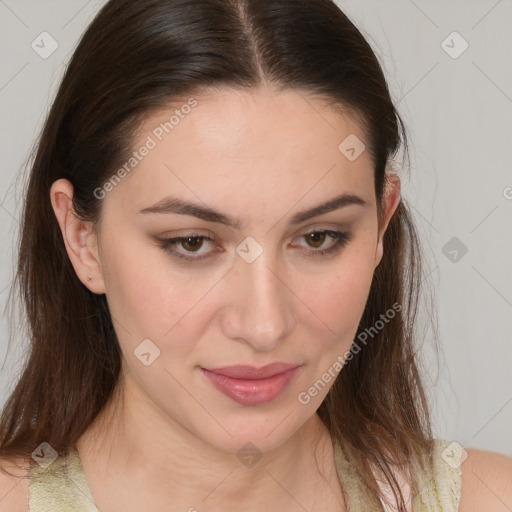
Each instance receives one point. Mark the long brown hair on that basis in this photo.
(134, 58)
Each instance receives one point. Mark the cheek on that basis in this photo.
(338, 297)
(150, 297)
(146, 298)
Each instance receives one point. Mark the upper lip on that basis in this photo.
(251, 372)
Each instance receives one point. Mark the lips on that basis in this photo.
(251, 372)
(251, 386)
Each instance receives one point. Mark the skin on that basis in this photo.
(168, 436)
(260, 158)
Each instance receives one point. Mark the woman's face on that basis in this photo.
(248, 284)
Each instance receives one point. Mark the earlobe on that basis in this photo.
(78, 236)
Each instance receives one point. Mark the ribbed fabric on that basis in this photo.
(62, 486)
(439, 491)
(442, 491)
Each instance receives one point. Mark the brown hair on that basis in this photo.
(134, 58)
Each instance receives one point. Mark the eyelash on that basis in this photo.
(341, 239)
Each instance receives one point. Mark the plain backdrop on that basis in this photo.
(449, 68)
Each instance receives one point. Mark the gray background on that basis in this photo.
(457, 109)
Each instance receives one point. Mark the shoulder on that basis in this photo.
(486, 482)
(13, 485)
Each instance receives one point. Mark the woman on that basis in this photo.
(220, 278)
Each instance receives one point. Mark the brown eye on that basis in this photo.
(192, 243)
(187, 248)
(317, 238)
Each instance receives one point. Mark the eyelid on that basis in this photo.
(167, 243)
(340, 239)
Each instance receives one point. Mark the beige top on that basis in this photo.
(62, 486)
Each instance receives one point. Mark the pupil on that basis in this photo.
(317, 237)
(189, 244)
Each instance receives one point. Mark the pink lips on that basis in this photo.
(248, 385)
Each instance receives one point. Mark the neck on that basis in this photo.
(134, 451)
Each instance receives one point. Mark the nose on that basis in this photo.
(260, 311)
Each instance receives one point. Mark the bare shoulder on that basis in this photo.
(486, 482)
(13, 486)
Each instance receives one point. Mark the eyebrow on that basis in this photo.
(181, 207)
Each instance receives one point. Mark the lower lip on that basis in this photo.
(251, 391)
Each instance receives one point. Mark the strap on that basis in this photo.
(352, 486)
(439, 491)
(60, 487)
(442, 488)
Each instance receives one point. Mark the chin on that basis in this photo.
(261, 433)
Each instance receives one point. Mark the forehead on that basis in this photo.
(258, 143)
(229, 118)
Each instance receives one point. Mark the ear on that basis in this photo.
(391, 200)
(79, 238)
